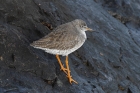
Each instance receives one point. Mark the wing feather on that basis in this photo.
(61, 40)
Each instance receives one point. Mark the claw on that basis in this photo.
(71, 80)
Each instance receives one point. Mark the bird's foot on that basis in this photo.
(71, 79)
(67, 72)
(68, 75)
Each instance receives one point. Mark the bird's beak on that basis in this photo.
(89, 29)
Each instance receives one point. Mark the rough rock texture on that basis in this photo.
(108, 62)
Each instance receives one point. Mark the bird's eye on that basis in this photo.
(84, 26)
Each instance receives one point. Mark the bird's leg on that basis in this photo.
(68, 72)
(61, 65)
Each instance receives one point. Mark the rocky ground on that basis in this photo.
(108, 62)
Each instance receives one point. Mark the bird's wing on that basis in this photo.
(61, 40)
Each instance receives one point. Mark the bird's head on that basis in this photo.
(80, 24)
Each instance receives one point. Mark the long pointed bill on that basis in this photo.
(89, 29)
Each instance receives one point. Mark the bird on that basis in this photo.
(63, 40)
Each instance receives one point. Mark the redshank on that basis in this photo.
(64, 40)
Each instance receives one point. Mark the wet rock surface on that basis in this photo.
(108, 62)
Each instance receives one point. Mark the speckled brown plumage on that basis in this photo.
(64, 40)
(60, 39)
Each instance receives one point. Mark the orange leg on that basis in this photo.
(68, 70)
(61, 65)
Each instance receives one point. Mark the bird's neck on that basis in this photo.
(83, 34)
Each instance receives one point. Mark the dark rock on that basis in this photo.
(108, 62)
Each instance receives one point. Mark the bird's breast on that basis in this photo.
(83, 36)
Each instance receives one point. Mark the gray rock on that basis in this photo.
(108, 62)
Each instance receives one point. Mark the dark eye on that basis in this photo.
(84, 25)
